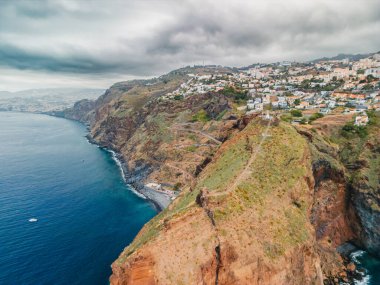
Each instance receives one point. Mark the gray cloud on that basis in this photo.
(147, 37)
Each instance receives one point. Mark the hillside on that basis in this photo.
(271, 208)
(256, 201)
(160, 141)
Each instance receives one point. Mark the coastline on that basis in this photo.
(159, 200)
(362, 274)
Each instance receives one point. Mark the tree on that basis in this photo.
(360, 71)
(178, 97)
(370, 78)
(315, 116)
(296, 113)
(297, 102)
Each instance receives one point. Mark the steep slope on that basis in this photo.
(159, 140)
(246, 221)
(359, 150)
(272, 207)
(260, 202)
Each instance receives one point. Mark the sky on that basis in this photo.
(95, 43)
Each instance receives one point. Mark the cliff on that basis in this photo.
(159, 140)
(271, 208)
(259, 202)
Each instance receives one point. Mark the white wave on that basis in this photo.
(366, 278)
(365, 281)
(355, 255)
(120, 165)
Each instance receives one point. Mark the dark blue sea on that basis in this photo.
(86, 214)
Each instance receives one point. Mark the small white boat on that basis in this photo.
(33, 220)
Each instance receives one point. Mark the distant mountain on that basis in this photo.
(81, 93)
(341, 56)
(4, 94)
(45, 100)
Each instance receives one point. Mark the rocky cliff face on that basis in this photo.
(364, 185)
(268, 209)
(159, 140)
(261, 202)
(245, 221)
(82, 111)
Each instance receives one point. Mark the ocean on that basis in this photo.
(368, 265)
(84, 213)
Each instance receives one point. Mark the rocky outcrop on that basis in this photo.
(82, 111)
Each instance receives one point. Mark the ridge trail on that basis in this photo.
(246, 171)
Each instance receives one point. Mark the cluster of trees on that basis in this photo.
(298, 114)
(315, 116)
(239, 96)
(350, 130)
(306, 85)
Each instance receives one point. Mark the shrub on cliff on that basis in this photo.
(296, 113)
(239, 96)
(201, 116)
(350, 130)
(315, 116)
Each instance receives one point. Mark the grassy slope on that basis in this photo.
(271, 204)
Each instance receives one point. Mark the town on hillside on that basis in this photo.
(309, 90)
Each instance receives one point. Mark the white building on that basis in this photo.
(361, 120)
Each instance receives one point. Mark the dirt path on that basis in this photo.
(246, 172)
(191, 130)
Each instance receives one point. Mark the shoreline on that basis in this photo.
(159, 200)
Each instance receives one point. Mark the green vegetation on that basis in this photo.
(162, 133)
(318, 87)
(239, 96)
(272, 176)
(201, 116)
(351, 131)
(360, 71)
(315, 116)
(353, 144)
(290, 116)
(286, 117)
(374, 118)
(191, 148)
(296, 113)
(221, 115)
(178, 97)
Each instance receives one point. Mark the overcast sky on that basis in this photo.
(84, 43)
